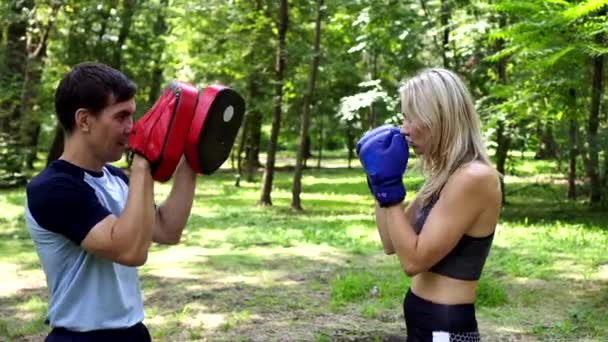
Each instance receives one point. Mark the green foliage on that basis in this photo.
(584, 8)
(367, 48)
(11, 161)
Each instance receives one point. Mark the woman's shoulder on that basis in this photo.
(476, 176)
(478, 170)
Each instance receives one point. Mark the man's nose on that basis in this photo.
(129, 125)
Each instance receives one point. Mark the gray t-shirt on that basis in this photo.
(63, 203)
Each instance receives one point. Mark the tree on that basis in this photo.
(265, 199)
(303, 147)
(559, 39)
(36, 47)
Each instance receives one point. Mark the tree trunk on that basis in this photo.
(160, 29)
(503, 142)
(252, 125)
(14, 69)
(125, 27)
(547, 147)
(445, 24)
(239, 153)
(350, 143)
(503, 139)
(372, 65)
(30, 121)
(278, 99)
(304, 148)
(572, 142)
(572, 152)
(100, 47)
(34, 67)
(253, 136)
(592, 128)
(321, 135)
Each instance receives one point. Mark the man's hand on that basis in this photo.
(160, 134)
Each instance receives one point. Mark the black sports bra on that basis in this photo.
(466, 260)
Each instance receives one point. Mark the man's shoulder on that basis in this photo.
(54, 178)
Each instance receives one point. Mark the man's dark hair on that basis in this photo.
(91, 86)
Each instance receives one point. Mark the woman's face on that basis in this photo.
(417, 136)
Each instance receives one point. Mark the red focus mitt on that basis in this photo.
(216, 122)
(160, 134)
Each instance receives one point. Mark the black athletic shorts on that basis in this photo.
(430, 322)
(137, 333)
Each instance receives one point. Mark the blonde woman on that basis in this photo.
(444, 236)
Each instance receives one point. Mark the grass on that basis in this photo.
(249, 273)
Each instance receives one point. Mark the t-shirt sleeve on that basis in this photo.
(66, 206)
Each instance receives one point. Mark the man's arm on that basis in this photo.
(172, 215)
(126, 239)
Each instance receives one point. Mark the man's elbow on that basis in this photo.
(134, 259)
(168, 236)
(173, 240)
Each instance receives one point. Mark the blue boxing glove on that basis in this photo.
(384, 129)
(374, 132)
(384, 157)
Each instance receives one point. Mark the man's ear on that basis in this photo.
(82, 119)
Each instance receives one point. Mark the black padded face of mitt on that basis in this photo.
(216, 122)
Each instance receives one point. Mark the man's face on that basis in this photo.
(110, 130)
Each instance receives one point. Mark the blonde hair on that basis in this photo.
(438, 100)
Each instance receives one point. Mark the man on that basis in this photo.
(90, 223)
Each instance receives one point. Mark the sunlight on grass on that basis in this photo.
(28, 318)
(377, 291)
(560, 250)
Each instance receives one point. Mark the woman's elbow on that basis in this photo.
(411, 270)
(389, 251)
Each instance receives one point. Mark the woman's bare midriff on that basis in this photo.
(443, 290)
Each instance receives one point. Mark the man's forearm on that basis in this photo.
(174, 212)
(134, 226)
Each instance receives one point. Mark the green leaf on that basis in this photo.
(555, 57)
(584, 9)
(506, 52)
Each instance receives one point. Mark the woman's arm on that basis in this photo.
(410, 214)
(462, 200)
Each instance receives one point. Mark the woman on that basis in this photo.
(443, 237)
